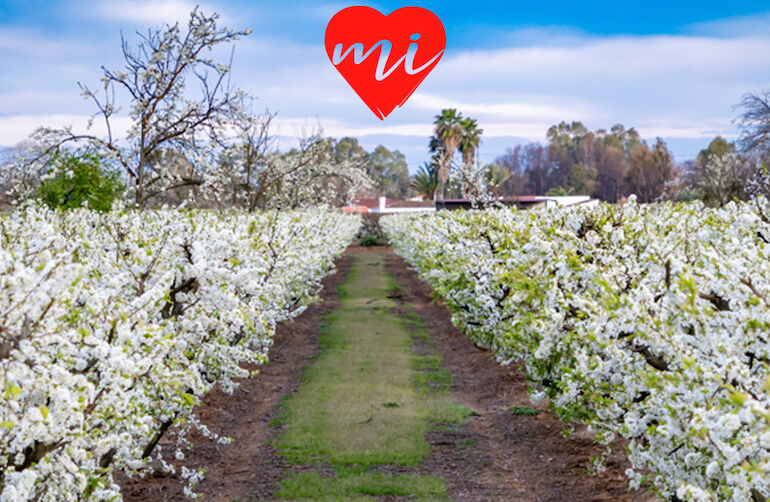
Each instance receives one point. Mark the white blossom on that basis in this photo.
(648, 321)
(112, 325)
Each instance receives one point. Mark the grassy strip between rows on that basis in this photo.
(312, 486)
(367, 399)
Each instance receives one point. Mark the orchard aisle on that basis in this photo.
(389, 409)
(395, 405)
(367, 401)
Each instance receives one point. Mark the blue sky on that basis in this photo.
(673, 69)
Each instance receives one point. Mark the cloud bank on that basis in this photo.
(682, 87)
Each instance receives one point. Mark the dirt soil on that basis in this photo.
(495, 456)
(501, 455)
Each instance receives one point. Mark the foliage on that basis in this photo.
(646, 321)
(469, 144)
(167, 117)
(649, 171)
(116, 324)
(472, 184)
(530, 168)
(306, 176)
(387, 169)
(246, 161)
(369, 241)
(454, 133)
(558, 192)
(425, 181)
(75, 180)
(370, 228)
(494, 178)
(390, 170)
(605, 164)
(612, 164)
(446, 140)
(719, 175)
(205, 149)
(524, 410)
(755, 122)
(759, 184)
(21, 170)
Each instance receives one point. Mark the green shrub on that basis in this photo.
(80, 178)
(523, 410)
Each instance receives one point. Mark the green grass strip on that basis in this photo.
(312, 486)
(367, 399)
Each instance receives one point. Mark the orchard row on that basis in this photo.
(112, 326)
(651, 322)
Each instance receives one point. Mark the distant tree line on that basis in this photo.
(606, 164)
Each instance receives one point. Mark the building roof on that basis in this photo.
(514, 198)
(564, 200)
(410, 203)
(370, 203)
(374, 203)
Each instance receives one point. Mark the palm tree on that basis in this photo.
(426, 181)
(469, 143)
(448, 135)
(470, 140)
(495, 176)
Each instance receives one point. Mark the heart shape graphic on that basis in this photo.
(384, 58)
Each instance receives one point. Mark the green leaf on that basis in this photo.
(188, 398)
(12, 390)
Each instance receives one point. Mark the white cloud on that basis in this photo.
(528, 108)
(296, 126)
(612, 59)
(17, 128)
(674, 132)
(672, 127)
(677, 87)
(673, 86)
(145, 11)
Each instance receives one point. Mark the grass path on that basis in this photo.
(367, 400)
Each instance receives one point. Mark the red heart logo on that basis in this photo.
(384, 58)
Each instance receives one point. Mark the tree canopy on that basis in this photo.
(606, 164)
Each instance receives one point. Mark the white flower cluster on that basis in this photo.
(647, 321)
(113, 325)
